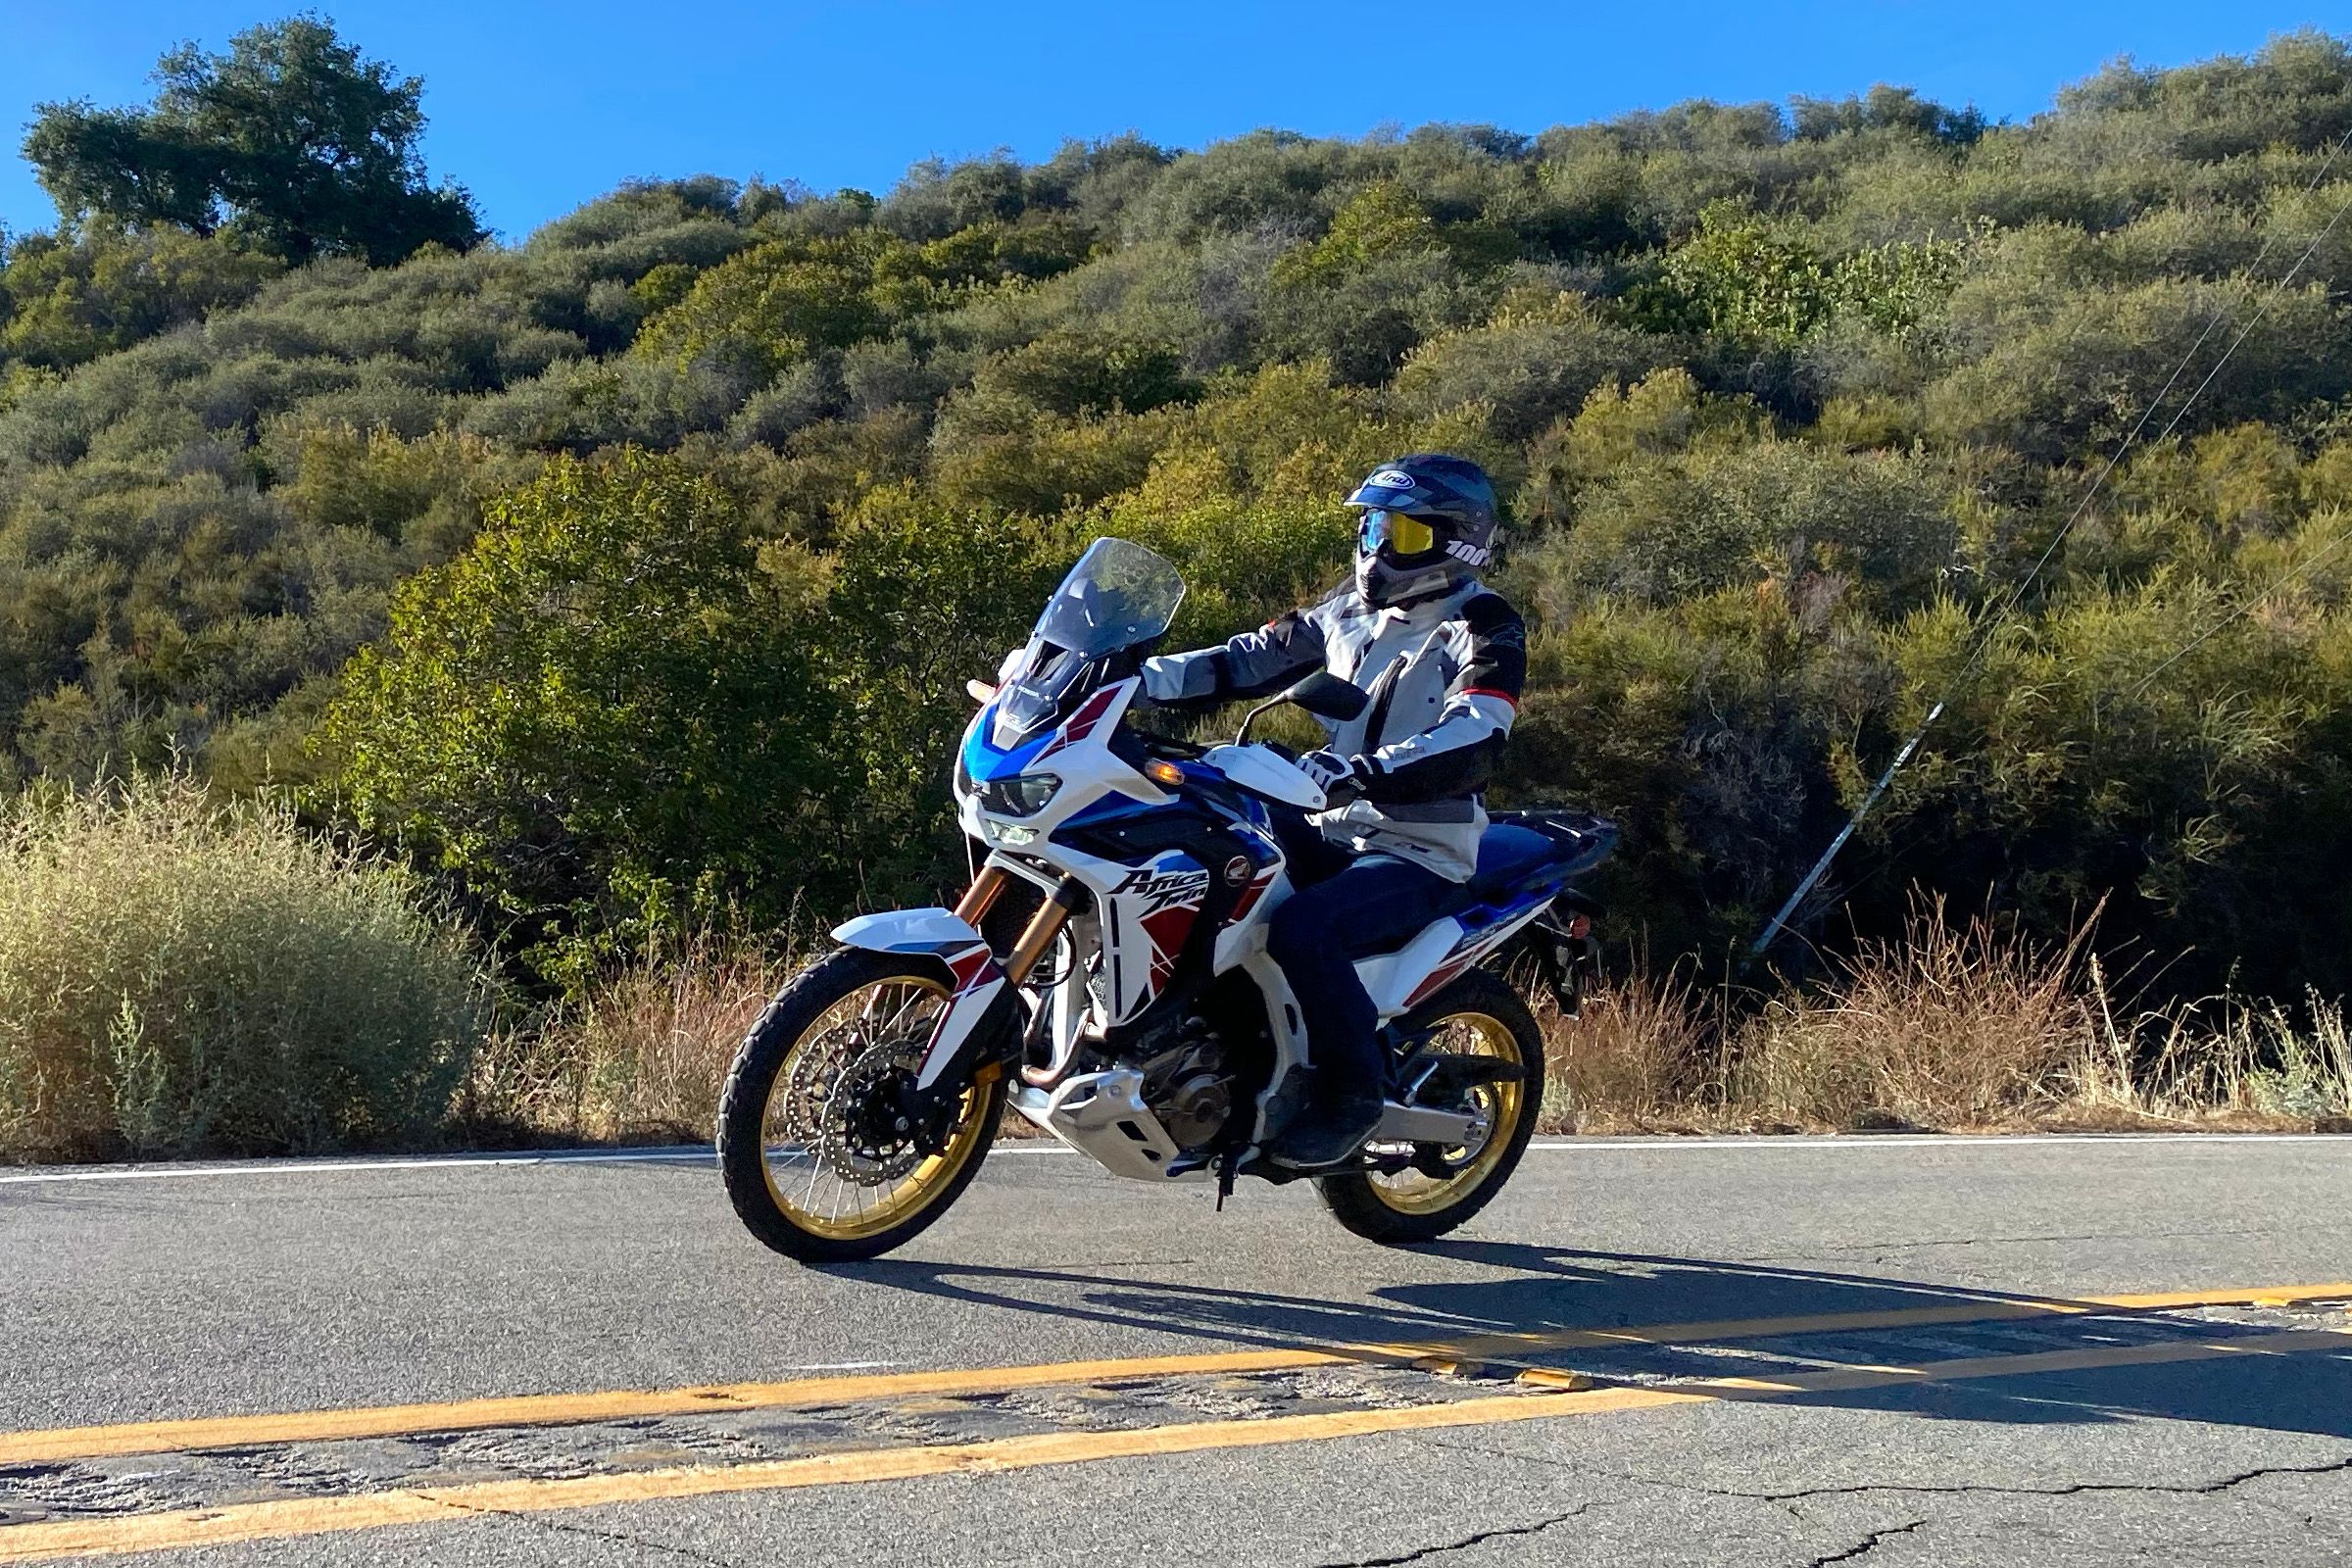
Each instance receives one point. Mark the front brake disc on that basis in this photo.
(863, 1137)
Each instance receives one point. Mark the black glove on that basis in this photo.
(1342, 777)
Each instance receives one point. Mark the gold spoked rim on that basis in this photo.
(1413, 1192)
(822, 1184)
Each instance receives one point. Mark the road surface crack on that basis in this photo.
(1867, 1544)
(1480, 1538)
(2073, 1489)
(2070, 1489)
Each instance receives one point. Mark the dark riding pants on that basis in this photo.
(1345, 907)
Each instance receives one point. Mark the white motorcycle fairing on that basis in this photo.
(1141, 916)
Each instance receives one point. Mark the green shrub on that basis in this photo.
(1787, 403)
(180, 980)
(1532, 363)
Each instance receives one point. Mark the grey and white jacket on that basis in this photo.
(1444, 677)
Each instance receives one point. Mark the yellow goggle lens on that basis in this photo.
(1401, 534)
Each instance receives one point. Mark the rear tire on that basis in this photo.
(815, 1041)
(1416, 1208)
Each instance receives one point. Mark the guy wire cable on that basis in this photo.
(2115, 460)
(2009, 603)
(2335, 548)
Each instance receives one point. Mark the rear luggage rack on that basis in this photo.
(1560, 940)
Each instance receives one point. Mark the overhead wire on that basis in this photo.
(2016, 594)
(2310, 564)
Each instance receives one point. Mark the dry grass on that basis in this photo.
(2222, 1064)
(1641, 1055)
(179, 979)
(1958, 1026)
(640, 1058)
(176, 980)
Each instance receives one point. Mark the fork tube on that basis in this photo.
(1043, 928)
(981, 896)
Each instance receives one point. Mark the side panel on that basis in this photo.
(1268, 884)
(1391, 977)
(1285, 1026)
(1400, 982)
(1147, 918)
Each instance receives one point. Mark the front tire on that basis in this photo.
(807, 1142)
(1477, 1014)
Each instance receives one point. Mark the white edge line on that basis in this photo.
(673, 1154)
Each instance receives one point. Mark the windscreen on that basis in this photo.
(1118, 595)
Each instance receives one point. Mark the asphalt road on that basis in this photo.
(2216, 1431)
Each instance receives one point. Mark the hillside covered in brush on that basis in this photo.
(630, 574)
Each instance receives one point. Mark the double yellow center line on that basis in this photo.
(622, 1405)
(49, 1541)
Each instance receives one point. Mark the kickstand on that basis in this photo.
(1226, 1163)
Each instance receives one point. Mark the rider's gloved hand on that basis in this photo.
(1341, 777)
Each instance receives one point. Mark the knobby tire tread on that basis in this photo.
(743, 1107)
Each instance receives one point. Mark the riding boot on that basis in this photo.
(1333, 1126)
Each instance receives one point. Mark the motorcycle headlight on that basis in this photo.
(1022, 795)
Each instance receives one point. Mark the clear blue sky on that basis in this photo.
(538, 107)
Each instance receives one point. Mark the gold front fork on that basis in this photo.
(981, 896)
(1043, 927)
(1035, 938)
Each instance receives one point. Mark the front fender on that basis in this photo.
(906, 931)
(972, 972)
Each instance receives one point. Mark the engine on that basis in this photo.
(1190, 1087)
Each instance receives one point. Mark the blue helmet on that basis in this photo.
(1428, 527)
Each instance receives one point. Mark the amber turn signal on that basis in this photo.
(1160, 772)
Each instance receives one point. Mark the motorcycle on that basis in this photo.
(1136, 1016)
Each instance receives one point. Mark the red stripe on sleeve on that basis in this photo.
(1489, 691)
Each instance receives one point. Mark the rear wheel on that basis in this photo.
(817, 1144)
(1477, 1015)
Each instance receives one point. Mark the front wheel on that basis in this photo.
(817, 1144)
(1476, 1015)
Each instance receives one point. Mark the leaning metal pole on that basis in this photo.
(1862, 810)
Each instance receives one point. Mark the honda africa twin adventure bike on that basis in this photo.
(1136, 1016)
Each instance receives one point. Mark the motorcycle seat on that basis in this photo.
(1506, 853)
(1518, 845)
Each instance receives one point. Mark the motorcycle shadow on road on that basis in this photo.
(1469, 1289)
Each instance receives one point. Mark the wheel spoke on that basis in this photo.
(831, 1108)
(1500, 1104)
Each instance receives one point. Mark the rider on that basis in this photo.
(1442, 658)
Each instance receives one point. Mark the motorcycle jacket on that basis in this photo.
(1443, 676)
